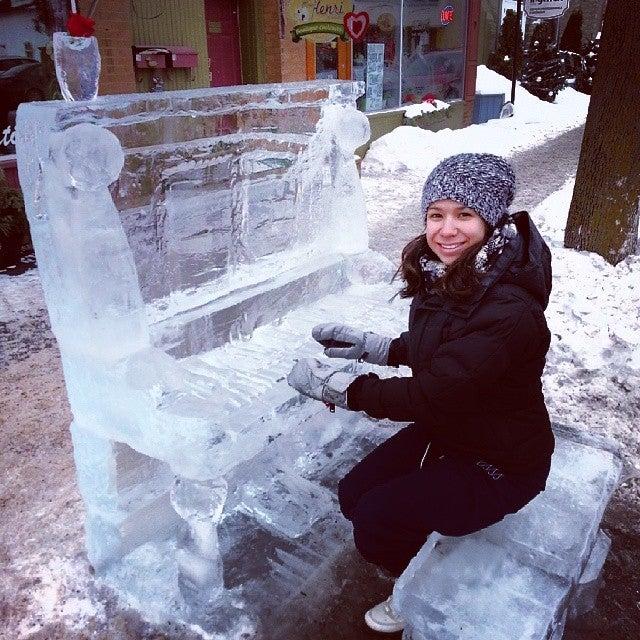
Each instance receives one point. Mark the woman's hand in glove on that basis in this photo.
(321, 381)
(342, 341)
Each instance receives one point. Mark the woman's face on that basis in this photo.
(452, 228)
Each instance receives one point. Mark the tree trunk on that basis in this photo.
(605, 207)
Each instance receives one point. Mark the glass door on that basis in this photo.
(433, 51)
(329, 60)
(413, 51)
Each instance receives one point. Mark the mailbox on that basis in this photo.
(183, 57)
(164, 56)
(150, 57)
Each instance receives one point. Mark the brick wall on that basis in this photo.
(285, 59)
(113, 31)
(271, 21)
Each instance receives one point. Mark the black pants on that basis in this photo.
(394, 504)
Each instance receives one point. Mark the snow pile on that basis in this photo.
(534, 121)
(416, 110)
(19, 296)
(61, 592)
(592, 378)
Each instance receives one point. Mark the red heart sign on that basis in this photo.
(356, 24)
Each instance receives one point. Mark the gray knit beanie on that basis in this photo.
(482, 181)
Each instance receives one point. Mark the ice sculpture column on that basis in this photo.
(97, 313)
(347, 129)
(105, 326)
(98, 308)
(199, 504)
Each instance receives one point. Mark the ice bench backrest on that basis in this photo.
(236, 202)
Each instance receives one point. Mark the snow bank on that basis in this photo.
(534, 121)
(592, 378)
(415, 110)
(61, 592)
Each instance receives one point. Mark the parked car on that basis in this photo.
(24, 80)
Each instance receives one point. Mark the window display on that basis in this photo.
(384, 28)
(433, 50)
(424, 50)
(26, 64)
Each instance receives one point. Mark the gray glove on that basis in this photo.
(321, 381)
(342, 341)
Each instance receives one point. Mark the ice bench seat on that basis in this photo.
(219, 408)
(521, 578)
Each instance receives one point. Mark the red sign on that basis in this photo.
(356, 24)
(447, 15)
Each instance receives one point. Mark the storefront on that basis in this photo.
(406, 51)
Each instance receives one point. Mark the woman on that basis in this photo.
(480, 443)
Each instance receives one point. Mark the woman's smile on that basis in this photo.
(451, 228)
(451, 247)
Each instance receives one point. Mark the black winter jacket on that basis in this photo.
(477, 366)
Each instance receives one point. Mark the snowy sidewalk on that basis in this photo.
(542, 140)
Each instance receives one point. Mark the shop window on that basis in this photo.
(433, 50)
(384, 28)
(26, 63)
(423, 56)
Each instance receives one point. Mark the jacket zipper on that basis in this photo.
(425, 455)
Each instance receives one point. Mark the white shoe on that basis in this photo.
(383, 618)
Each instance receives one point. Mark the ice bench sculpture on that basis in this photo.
(187, 242)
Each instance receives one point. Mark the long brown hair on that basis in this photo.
(460, 280)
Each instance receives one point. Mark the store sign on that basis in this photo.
(356, 25)
(542, 9)
(317, 20)
(8, 137)
(447, 15)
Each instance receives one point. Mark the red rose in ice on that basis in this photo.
(78, 25)
(429, 97)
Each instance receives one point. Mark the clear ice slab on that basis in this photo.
(524, 576)
(470, 589)
(557, 529)
(586, 593)
(285, 502)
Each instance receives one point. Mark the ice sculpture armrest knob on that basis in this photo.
(87, 156)
(351, 127)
